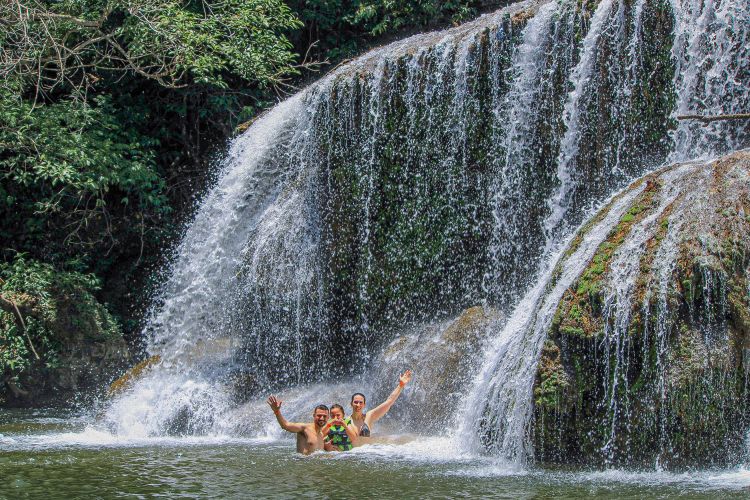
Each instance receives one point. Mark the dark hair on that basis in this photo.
(321, 407)
(339, 407)
(358, 394)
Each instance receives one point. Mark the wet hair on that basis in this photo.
(339, 407)
(358, 394)
(321, 407)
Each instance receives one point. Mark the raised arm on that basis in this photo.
(379, 411)
(275, 405)
(327, 428)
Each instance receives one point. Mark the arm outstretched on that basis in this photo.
(275, 405)
(379, 411)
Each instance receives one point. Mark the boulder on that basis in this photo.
(645, 362)
(443, 357)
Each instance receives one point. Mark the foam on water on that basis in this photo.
(440, 454)
(738, 478)
(93, 437)
(415, 449)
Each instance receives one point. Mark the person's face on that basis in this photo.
(358, 403)
(336, 413)
(320, 417)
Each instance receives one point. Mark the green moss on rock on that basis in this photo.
(670, 387)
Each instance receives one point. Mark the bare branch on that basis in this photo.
(39, 15)
(9, 305)
(715, 118)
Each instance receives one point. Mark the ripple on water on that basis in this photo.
(737, 478)
(94, 462)
(96, 438)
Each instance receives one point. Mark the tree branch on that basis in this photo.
(715, 118)
(10, 306)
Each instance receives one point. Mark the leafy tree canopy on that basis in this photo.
(72, 43)
(342, 28)
(106, 112)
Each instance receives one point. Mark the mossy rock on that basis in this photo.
(645, 360)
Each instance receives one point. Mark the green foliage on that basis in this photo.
(379, 17)
(53, 305)
(67, 169)
(341, 27)
(208, 39)
(175, 42)
(108, 110)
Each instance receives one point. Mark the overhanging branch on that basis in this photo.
(715, 118)
(10, 306)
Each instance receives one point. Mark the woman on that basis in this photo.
(363, 421)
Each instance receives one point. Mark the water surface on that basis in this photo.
(54, 454)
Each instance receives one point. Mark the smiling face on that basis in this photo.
(358, 403)
(320, 417)
(336, 413)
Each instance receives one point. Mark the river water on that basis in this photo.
(54, 453)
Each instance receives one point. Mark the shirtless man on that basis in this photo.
(309, 436)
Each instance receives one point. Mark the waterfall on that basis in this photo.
(498, 411)
(520, 108)
(625, 266)
(194, 300)
(500, 406)
(581, 78)
(436, 173)
(312, 246)
(712, 57)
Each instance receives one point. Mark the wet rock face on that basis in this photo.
(422, 178)
(442, 357)
(646, 360)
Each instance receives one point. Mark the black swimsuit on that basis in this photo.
(364, 431)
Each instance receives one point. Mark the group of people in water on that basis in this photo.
(330, 430)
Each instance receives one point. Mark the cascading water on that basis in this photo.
(625, 266)
(194, 298)
(498, 412)
(501, 406)
(646, 361)
(574, 109)
(281, 275)
(431, 175)
(711, 52)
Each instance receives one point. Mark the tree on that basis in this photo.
(107, 110)
(69, 44)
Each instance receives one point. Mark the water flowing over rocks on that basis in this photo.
(646, 359)
(354, 221)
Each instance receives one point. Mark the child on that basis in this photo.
(339, 434)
